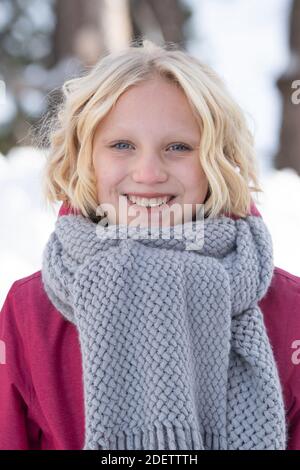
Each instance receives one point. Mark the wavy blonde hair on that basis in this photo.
(226, 150)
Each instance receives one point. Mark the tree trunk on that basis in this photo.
(289, 151)
(159, 20)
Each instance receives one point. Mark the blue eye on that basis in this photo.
(120, 143)
(180, 145)
(183, 146)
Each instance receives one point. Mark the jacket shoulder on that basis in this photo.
(27, 298)
(281, 304)
(283, 275)
(28, 282)
(30, 289)
(283, 294)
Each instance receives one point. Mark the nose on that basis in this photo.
(149, 170)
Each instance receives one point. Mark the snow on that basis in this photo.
(26, 219)
(280, 209)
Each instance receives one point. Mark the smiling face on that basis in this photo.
(147, 145)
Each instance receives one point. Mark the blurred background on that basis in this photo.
(253, 45)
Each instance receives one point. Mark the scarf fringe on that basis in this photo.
(159, 437)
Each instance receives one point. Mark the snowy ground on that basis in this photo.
(26, 221)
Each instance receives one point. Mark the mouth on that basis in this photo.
(151, 204)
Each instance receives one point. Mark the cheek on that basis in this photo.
(195, 182)
(108, 176)
(192, 176)
(102, 176)
(199, 175)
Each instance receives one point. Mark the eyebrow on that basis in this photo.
(181, 132)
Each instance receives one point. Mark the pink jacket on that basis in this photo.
(41, 389)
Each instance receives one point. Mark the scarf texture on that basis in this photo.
(174, 347)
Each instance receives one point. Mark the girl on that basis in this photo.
(129, 341)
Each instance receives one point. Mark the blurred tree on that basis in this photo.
(289, 151)
(160, 20)
(42, 44)
(77, 31)
(99, 26)
(25, 39)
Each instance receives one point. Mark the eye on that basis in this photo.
(183, 146)
(120, 143)
(123, 145)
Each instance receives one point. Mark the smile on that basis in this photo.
(149, 203)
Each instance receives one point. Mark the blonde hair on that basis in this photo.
(226, 150)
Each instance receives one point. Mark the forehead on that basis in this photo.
(155, 103)
(153, 95)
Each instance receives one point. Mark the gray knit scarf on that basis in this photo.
(174, 347)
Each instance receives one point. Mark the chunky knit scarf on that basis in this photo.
(175, 351)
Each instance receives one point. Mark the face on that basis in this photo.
(145, 151)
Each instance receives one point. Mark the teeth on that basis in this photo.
(149, 202)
